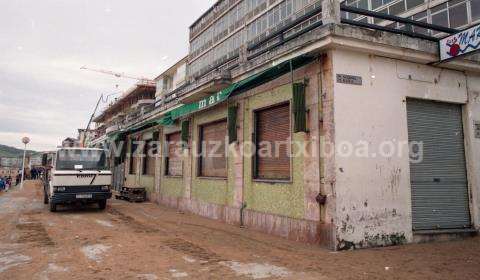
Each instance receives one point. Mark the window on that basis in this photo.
(213, 159)
(475, 8)
(397, 8)
(376, 4)
(173, 158)
(133, 157)
(272, 146)
(440, 18)
(149, 151)
(73, 159)
(458, 15)
(414, 3)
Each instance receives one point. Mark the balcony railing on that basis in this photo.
(221, 75)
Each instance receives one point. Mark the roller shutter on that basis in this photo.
(272, 132)
(213, 161)
(439, 181)
(173, 158)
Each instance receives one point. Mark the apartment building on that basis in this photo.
(139, 169)
(172, 79)
(10, 167)
(122, 112)
(341, 99)
(454, 13)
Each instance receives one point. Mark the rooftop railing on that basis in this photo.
(291, 30)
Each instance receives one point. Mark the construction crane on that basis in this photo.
(141, 80)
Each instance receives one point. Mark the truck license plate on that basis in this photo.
(84, 196)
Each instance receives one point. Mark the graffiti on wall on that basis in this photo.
(459, 44)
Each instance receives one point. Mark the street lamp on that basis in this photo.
(25, 141)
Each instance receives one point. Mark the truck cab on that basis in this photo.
(78, 175)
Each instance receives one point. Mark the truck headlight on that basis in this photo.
(105, 188)
(59, 189)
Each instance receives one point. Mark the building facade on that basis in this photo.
(317, 130)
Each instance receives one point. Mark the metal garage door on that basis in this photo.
(439, 181)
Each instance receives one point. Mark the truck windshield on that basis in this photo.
(81, 160)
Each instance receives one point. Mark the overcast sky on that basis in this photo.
(43, 44)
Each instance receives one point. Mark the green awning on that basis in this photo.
(235, 88)
(210, 100)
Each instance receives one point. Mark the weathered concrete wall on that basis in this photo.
(372, 192)
(472, 116)
(327, 229)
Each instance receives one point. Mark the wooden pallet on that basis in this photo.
(132, 194)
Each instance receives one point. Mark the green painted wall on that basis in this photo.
(131, 180)
(147, 182)
(172, 186)
(207, 189)
(286, 199)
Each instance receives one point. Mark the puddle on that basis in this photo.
(56, 268)
(104, 223)
(193, 250)
(256, 270)
(10, 259)
(147, 276)
(189, 260)
(95, 252)
(178, 274)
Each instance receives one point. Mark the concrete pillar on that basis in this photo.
(331, 11)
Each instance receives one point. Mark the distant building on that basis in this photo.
(11, 166)
(70, 142)
(130, 108)
(9, 171)
(170, 80)
(36, 160)
(10, 161)
(85, 136)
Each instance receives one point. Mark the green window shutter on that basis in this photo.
(232, 124)
(155, 139)
(299, 108)
(185, 131)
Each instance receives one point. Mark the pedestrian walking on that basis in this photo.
(18, 178)
(8, 183)
(2, 184)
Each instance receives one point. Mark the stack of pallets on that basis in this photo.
(132, 194)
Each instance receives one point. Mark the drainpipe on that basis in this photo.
(244, 205)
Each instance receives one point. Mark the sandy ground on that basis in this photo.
(145, 241)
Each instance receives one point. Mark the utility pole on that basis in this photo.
(94, 111)
(25, 141)
(101, 99)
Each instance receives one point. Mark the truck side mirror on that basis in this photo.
(44, 160)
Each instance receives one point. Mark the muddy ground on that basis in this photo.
(145, 241)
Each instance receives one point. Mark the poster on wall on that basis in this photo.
(461, 43)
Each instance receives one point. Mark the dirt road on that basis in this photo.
(145, 241)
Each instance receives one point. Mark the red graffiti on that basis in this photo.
(454, 49)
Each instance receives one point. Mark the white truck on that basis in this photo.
(78, 175)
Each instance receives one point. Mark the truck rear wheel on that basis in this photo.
(102, 204)
(53, 207)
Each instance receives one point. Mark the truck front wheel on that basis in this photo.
(53, 207)
(102, 204)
